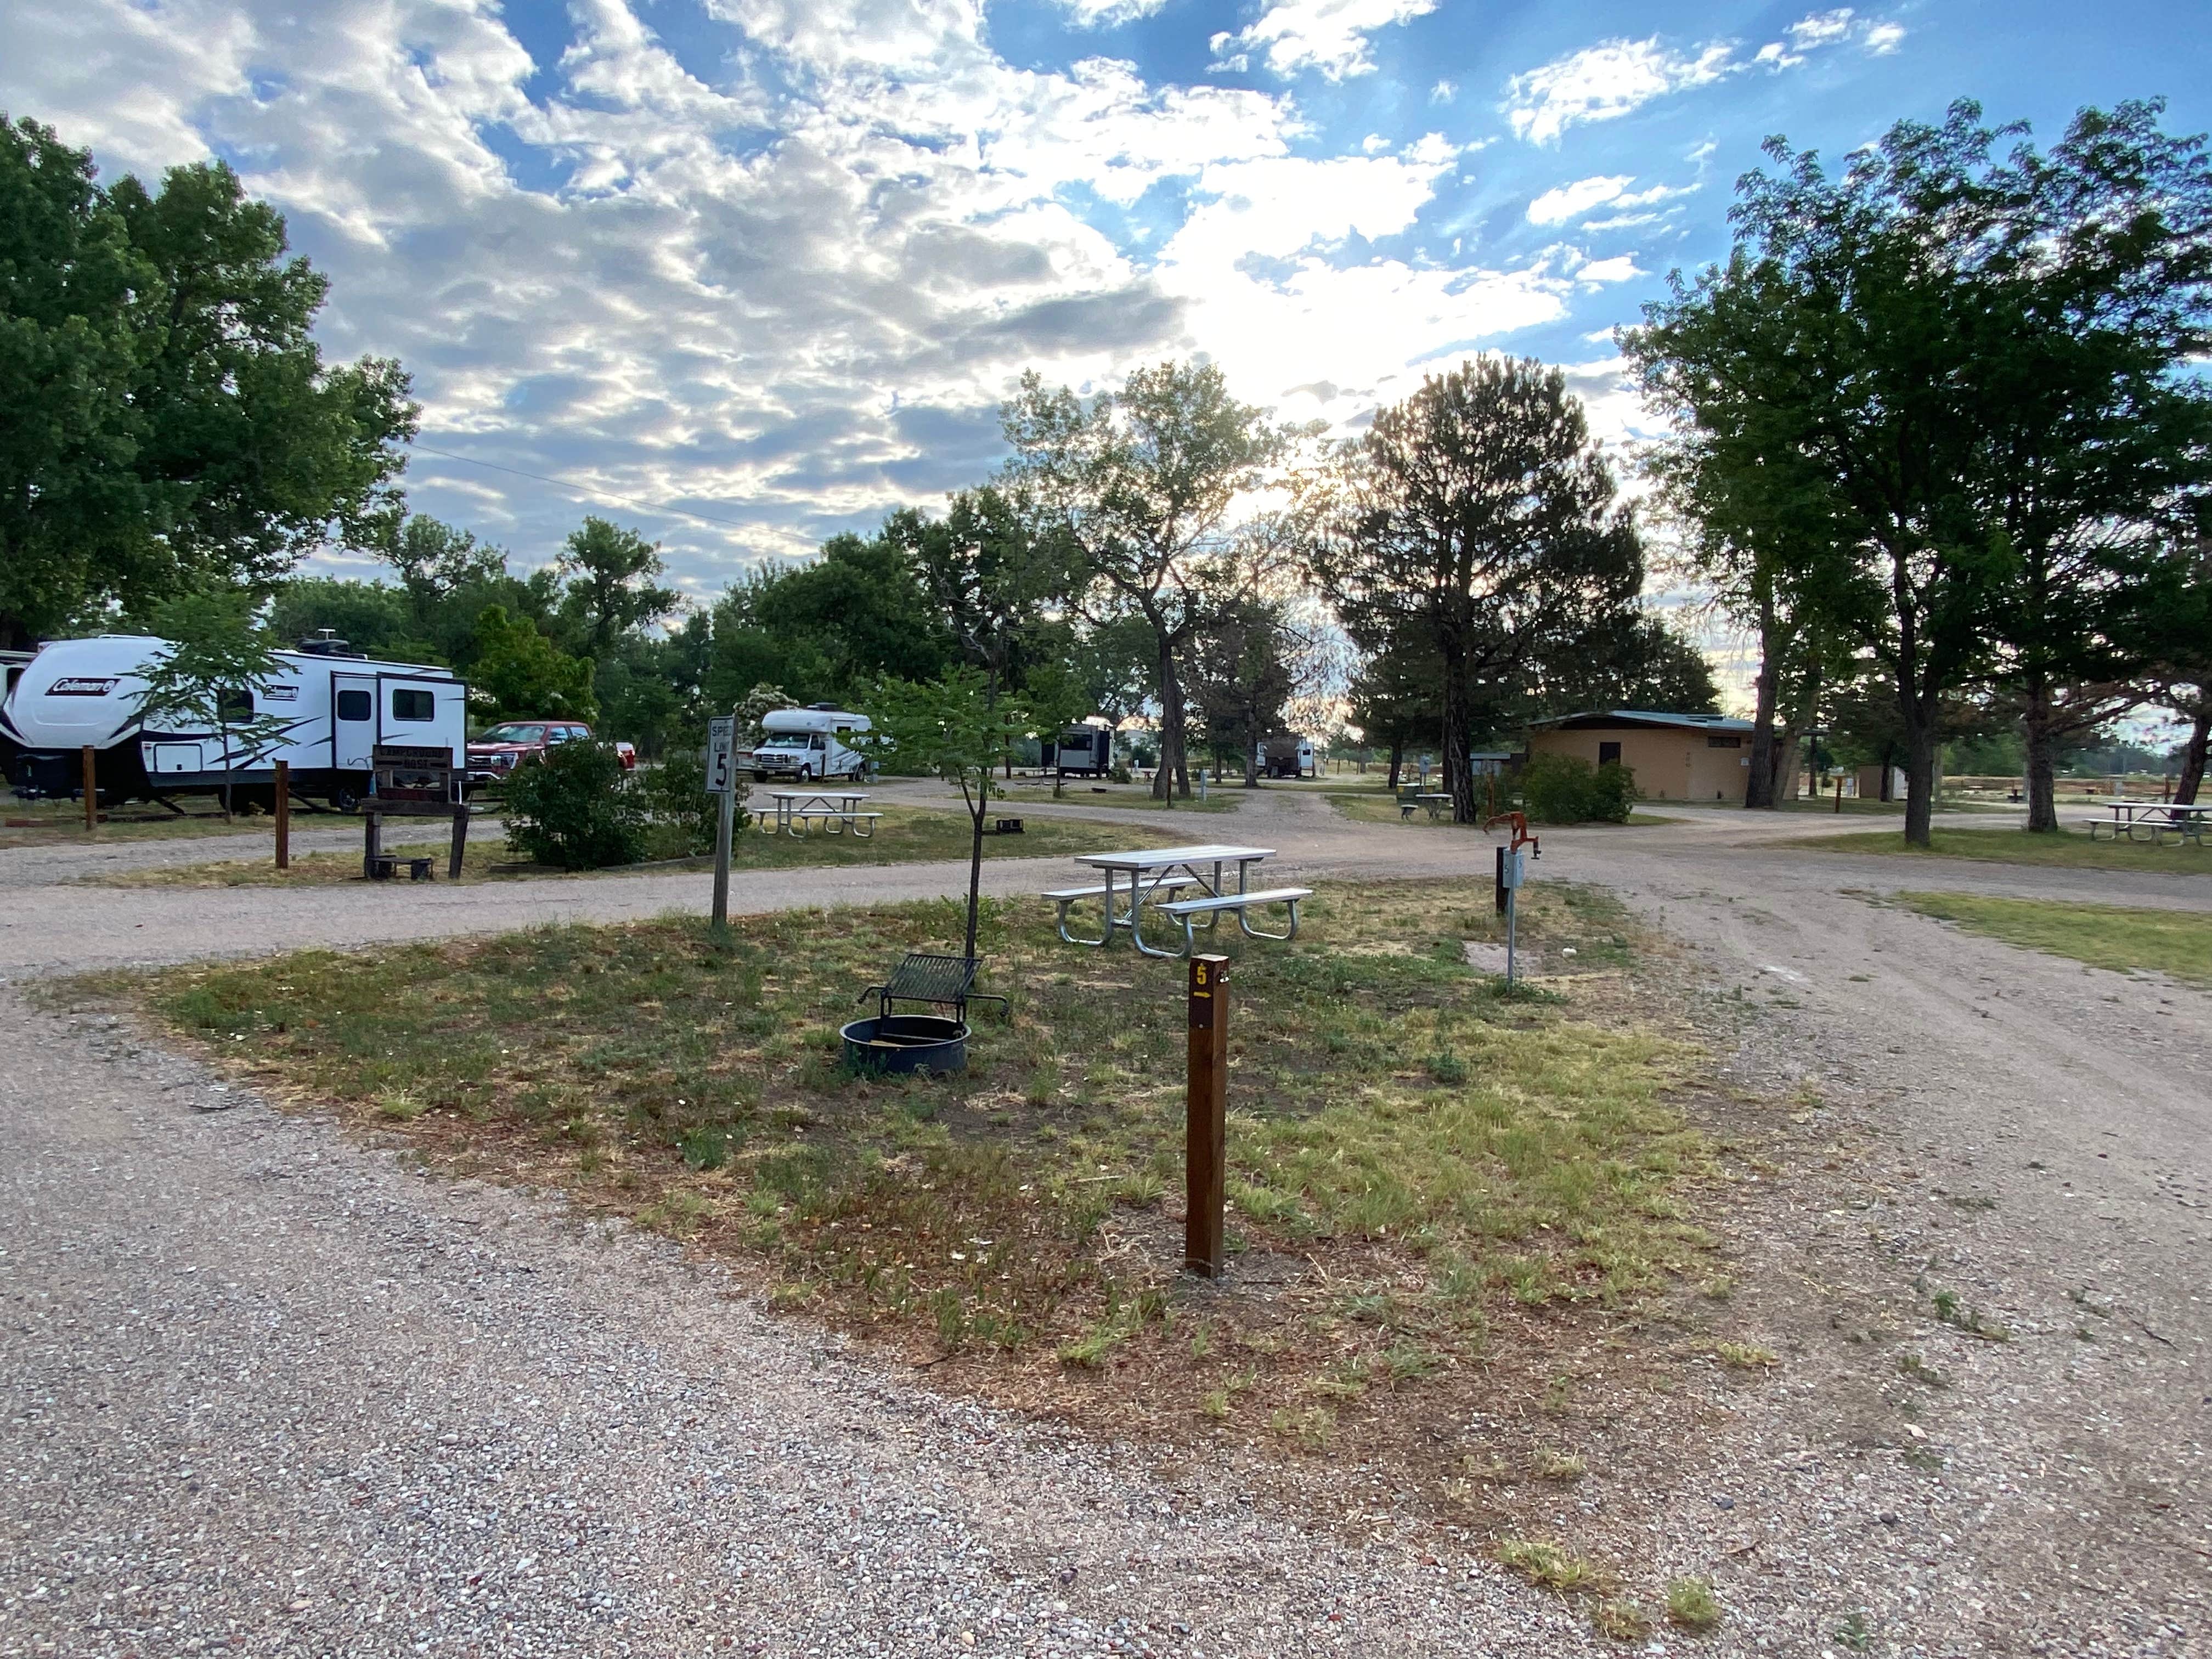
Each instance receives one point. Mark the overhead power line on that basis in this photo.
(586, 489)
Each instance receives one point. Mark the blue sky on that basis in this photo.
(775, 261)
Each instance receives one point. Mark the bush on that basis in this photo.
(1613, 794)
(683, 813)
(576, 809)
(1566, 789)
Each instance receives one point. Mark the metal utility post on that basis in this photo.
(1205, 1109)
(721, 747)
(91, 790)
(283, 787)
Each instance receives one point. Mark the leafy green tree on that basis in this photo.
(520, 674)
(827, 630)
(1396, 696)
(208, 676)
(611, 590)
(1140, 482)
(166, 422)
(373, 619)
(1969, 368)
(1479, 517)
(957, 728)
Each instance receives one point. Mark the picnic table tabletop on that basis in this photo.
(816, 794)
(1167, 858)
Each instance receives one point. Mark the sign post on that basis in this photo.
(1205, 1108)
(283, 804)
(721, 751)
(1512, 867)
(91, 791)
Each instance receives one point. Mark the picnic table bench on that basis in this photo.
(2153, 820)
(836, 810)
(1167, 870)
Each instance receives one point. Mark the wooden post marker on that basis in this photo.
(283, 788)
(91, 790)
(1206, 1115)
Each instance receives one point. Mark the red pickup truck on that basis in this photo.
(494, 756)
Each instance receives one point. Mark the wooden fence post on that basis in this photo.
(283, 787)
(91, 790)
(1206, 1115)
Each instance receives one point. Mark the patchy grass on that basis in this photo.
(61, 823)
(903, 835)
(2064, 848)
(1691, 1605)
(1125, 797)
(1549, 1566)
(2124, 939)
(1405, 1238)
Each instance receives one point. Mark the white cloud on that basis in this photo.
(1557, 206)
(1822, 28)
(1326, 36)
(1444, 92)
(1621, 269)
(1616, 77)
(1605, 81)
(783, 280)
(1107, 13)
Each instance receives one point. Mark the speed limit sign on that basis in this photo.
(722, 750)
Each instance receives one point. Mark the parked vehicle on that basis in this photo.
(808, 743)
(337, 706)
(1287, 756)
(1082, 752)
(493, 756)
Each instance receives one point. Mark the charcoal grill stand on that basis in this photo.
(939, 981)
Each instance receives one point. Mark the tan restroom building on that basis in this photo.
(1674, 757)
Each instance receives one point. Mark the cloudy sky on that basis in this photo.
(774, 262)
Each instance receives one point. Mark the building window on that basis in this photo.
(1731, 741)
(416, 707)
(355, 705)
(1608, 754)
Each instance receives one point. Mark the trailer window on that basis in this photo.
(355, 705)
(234, 705)
(414, 707)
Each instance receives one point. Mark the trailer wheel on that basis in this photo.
(343, 800)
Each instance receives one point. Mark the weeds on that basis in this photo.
(1745, 1355)
(1548, 1566)
(1691, 1604)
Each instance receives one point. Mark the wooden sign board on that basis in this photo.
(415, 773)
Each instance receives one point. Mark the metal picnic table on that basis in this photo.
(838, 808)
(2154, 819)
(1159, 871)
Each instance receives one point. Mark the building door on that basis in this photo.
(353, 721)
(1608, 754)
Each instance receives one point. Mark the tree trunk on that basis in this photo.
(1758, 788)
(2192, 757)
(2042, 766)
(1458, 769)
(1397, 762)
(1175, 764)
(1919, 780)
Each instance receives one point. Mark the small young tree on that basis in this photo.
(217, 659)
(956, 729)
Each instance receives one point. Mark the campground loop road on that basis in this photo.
(272, 1393)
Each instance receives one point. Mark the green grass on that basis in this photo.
(2067, 848)
(902, 836)
(1024, 1207)
(2175, 942)
(59, 823)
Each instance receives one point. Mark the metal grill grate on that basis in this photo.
(942, 982)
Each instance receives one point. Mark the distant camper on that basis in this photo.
(1081, 752)
(337, 706)
(1287, 756)
(808, 744)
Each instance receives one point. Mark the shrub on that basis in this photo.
(683, 813)
(1612, 794)
(1567, 789)
(576, 809)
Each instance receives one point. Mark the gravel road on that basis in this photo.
(271, 1393)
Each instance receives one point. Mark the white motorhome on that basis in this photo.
(337, 706)
(808, 743)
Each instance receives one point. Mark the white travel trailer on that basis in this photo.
(808, 743)
(1285, 756)
(337, 706)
